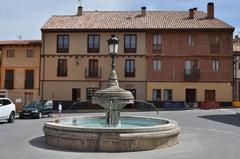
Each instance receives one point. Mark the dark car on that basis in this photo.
(37, 109)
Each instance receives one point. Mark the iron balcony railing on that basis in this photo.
(191, 74)
(157, 48)
(214, 48)
(130, 72)
(93, 73)
(29, 84)
(8, 84)
(62, 71)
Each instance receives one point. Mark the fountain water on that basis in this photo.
(112, 133)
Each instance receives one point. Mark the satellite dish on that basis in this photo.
(19, 36)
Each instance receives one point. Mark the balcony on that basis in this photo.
(62, 71)
(130, 72)
(157, 49)
(191, 74)
(29, 84)
(89, 73)
(8, 84)
(214, 48)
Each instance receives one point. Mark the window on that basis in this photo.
(29, 79)
(130, 68)
(30, 52)
(156, 94)
(6, 102)
(90, 92)
(156, 65)
(133, 91)
(93, 68)
(210, 95)
(214, 44)
(130, 43)
(167, 94)
(215, 65)
(9, 77)
(93, 43)
(190, 40)
(10, 53)
(63, 43)
(157, 43)
(76, 94)
(62, 67)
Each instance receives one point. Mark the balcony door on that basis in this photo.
(191, 65)
(93, 68)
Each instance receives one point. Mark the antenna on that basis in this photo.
(19, 36)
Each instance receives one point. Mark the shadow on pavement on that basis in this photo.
(231, 119)
(39, 142)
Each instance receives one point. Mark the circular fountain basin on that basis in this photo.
(92, 134)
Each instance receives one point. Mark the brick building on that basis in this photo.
(236, 68)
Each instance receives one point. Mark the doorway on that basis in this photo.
(191, 95)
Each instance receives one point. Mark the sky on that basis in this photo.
(26, 17)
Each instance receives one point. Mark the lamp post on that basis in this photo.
(113, 49)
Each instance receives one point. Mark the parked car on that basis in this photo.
(36, 109)
(7, 110)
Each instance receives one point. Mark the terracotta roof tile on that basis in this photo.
(133, 20)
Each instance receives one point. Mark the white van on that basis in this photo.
(7, 110)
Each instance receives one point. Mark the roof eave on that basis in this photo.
(45, 30)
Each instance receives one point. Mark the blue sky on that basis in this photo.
(26, 17)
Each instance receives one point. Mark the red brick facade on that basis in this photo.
(175, 51)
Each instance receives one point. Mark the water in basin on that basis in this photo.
(100, 122)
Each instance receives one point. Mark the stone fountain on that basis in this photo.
(112, 133)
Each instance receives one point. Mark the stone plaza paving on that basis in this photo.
(206, 134)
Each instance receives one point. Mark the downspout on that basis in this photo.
(42, 65)
(1, 67)
(233, 76)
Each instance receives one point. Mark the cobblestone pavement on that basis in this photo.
(206, 134)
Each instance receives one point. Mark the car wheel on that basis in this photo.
(39, 115)
(11, 117)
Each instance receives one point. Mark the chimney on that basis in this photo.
(80, 11)
(191, 13)
(144, 10)
(210, 10)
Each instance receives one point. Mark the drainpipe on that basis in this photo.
(42, 65)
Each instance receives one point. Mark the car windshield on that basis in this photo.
(34, 104)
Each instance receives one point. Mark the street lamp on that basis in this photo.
(113, 49)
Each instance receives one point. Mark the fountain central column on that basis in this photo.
(113, 98)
